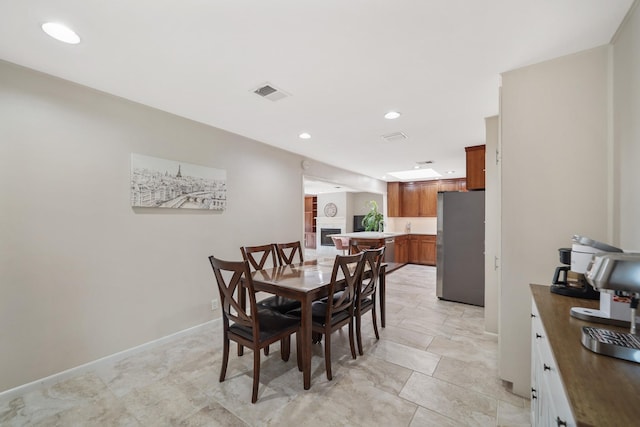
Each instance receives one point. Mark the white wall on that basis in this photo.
(82, 274)
(554, 183)
(626, 131)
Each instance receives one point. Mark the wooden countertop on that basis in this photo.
(602, 390)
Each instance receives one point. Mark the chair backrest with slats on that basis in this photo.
(371, 273)
(356, 246)
(231, 277)
(287, 252)
(351, 267)
(258, 256)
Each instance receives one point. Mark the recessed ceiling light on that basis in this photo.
(415, 174)
(304, 135)
(392, 115)
(61, 32)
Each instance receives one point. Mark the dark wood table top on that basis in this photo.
(602, 390)
(304, 277)
(300, 277)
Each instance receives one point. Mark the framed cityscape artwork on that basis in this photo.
(161, 183)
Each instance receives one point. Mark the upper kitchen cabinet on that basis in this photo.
(452, 185)
(410, 201)
(419, 198)
(475, 167)
(394, 200)
(428, 198)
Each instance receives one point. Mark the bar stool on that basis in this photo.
(342, 244)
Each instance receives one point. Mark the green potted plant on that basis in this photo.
(373, 220)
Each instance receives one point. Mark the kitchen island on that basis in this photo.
(372, 239)
(414, 248)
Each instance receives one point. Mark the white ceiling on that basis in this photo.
(345, 64)
(314, 186)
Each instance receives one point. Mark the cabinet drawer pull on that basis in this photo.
(546, 367)
(533, 315)
(560, 422)
(538, 336)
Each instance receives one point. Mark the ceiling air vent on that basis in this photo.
(270, 92)
(394, 137)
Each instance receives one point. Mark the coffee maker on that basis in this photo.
(614, 274)
(569, 279)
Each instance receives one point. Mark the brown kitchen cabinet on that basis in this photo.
(419, 198)
(410, 201)
(402, 249)
(475, 167)
(414, 256)
(428, 198)
(428, 249)
(394, 200)
(458, 184)
(422, 249)
(310, 214)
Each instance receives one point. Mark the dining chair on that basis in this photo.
(333, 313)
(366, 295)
(255, 328)
(287, 252)
(258, 258)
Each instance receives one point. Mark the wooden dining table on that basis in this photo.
(306, 282)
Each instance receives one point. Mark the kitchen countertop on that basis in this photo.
(375, 235)
(367, 235)
(602, 390)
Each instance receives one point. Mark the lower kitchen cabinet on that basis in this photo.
(413, 249)
(402, 249)
(422, 249)
(428, 249)
(549, 404)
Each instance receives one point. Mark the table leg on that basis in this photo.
(305, 332)
(382, 292)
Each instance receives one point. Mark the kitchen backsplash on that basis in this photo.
(420, 225)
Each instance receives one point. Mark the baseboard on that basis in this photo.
(90, 366)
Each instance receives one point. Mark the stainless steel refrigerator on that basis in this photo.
(460, 247)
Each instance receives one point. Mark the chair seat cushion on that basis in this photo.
(278, 303)
(336, 297)
(366, 303)
(271, 323)
(319, 312)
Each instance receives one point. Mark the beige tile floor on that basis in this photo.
(433, 366)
